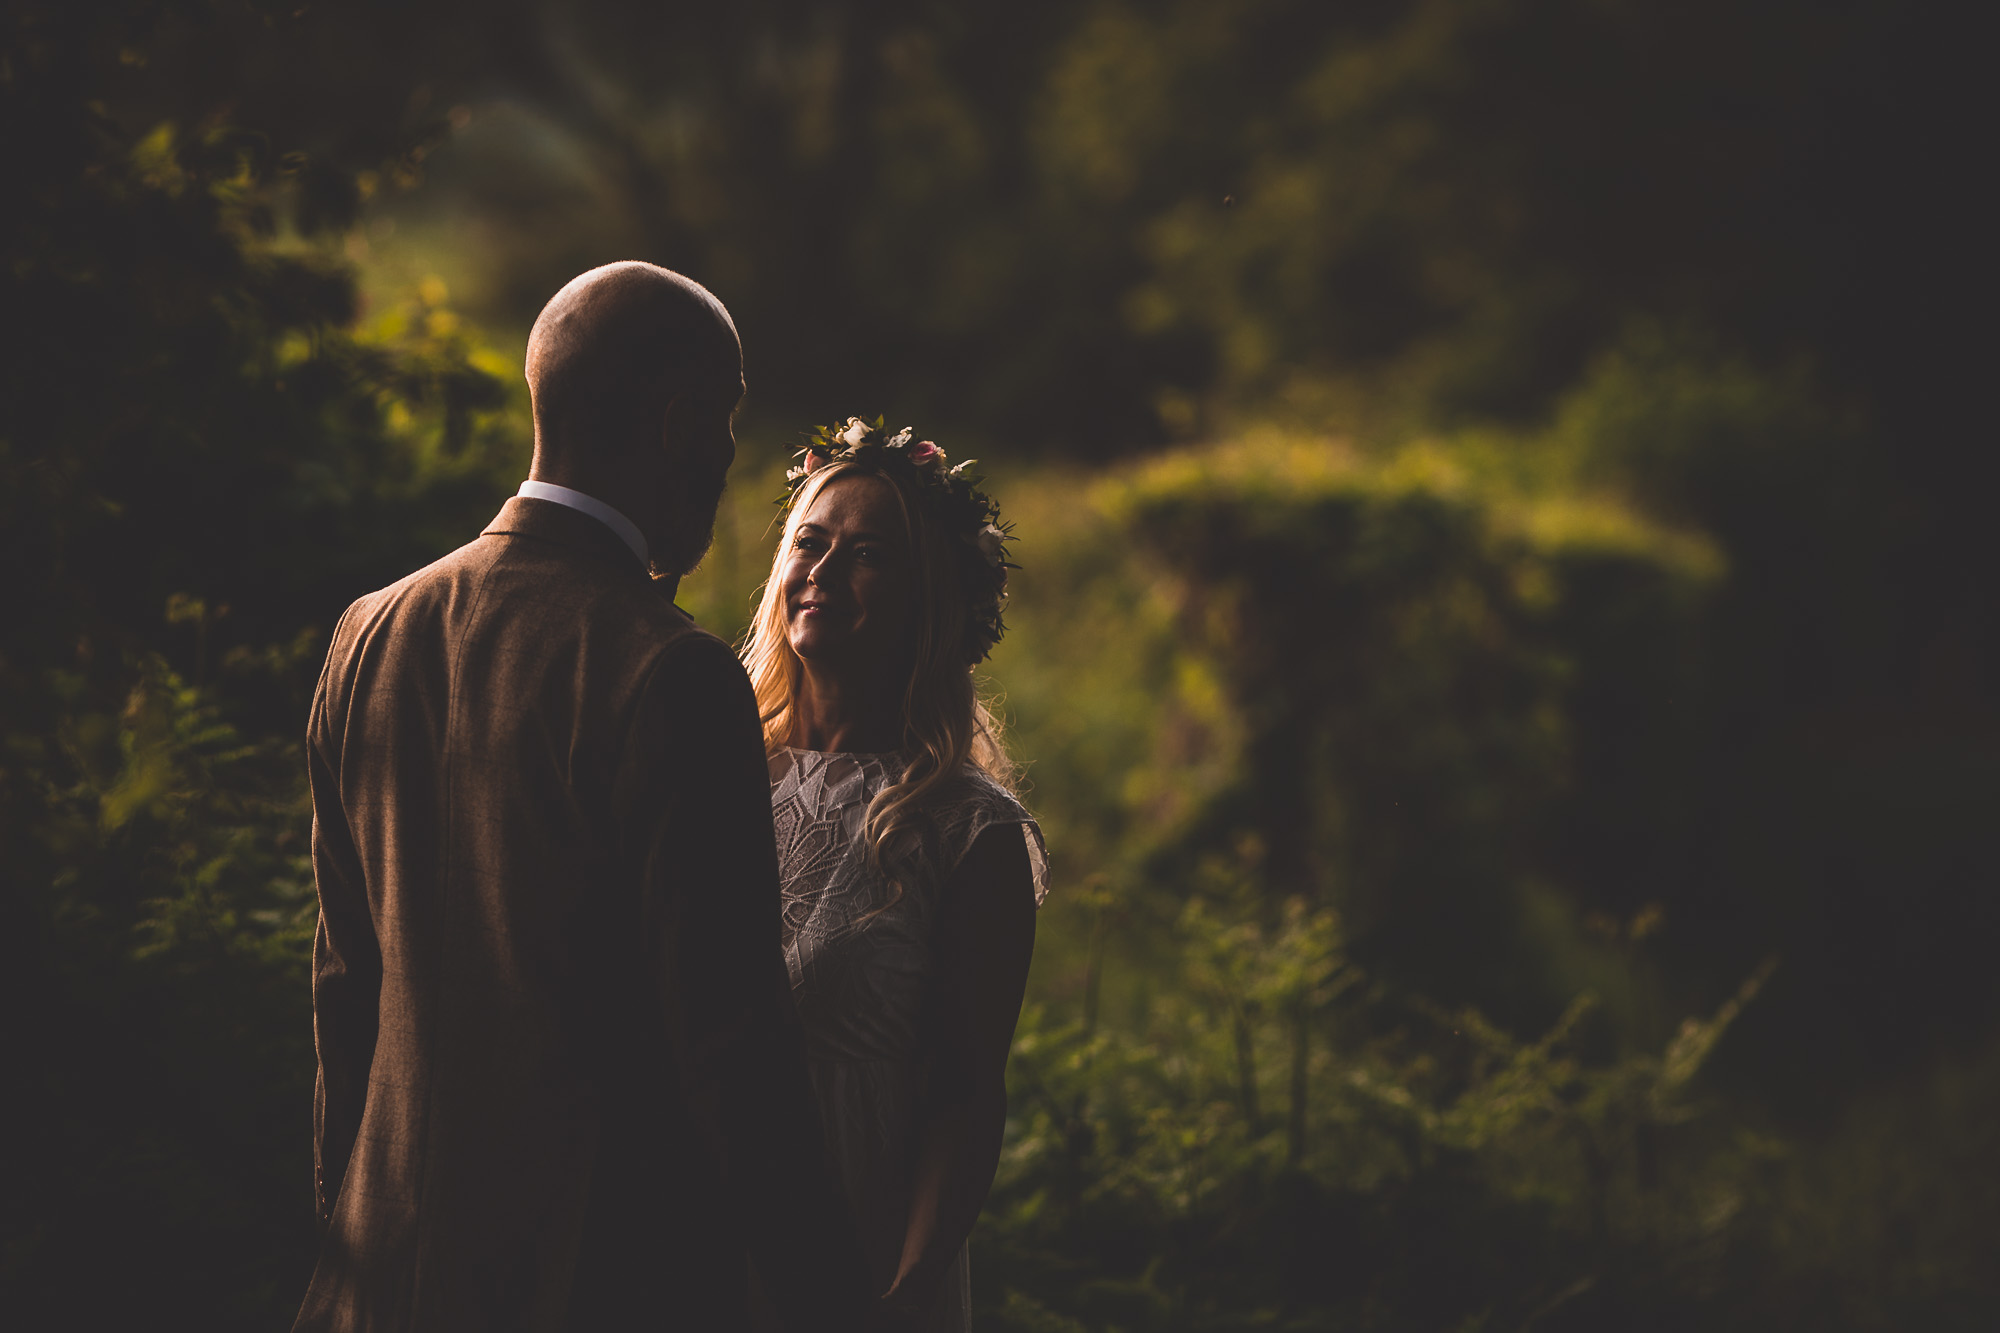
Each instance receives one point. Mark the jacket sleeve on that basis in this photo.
(712, 911)
(346, 964)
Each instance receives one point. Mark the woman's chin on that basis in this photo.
(839, 654)
(822, 647)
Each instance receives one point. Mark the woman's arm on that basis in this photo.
(986, 936)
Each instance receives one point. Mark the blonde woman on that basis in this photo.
(911, 874)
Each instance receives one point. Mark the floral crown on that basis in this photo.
(952, 501)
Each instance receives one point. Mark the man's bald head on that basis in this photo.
(615, 345)
(636, 372)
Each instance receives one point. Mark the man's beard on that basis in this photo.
(690, 526)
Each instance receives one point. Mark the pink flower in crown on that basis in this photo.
(813, 462)
(923, 451)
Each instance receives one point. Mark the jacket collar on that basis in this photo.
(544, 520)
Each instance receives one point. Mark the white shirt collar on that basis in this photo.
(628, 531)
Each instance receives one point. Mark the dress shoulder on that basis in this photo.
(973, 802)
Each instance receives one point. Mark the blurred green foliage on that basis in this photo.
(1506, 656)
(1357, 677)
(203, 456)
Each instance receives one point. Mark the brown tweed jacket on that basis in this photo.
(561, 1084)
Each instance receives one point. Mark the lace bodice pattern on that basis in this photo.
(861, 965)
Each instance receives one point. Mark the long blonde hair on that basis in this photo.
(945, 722)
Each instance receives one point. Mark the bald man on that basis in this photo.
(561, 1084)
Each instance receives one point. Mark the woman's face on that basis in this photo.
(850, 589)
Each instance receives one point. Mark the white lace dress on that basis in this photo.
(864, 986)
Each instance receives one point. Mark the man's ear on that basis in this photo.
(675, 399)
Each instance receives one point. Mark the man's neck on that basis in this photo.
(605, 476)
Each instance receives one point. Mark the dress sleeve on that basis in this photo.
(977, 805)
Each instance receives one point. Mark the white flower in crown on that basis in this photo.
(900, 438)
(794, 474)
(958, 470)
(856, 432)
(991, 541)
